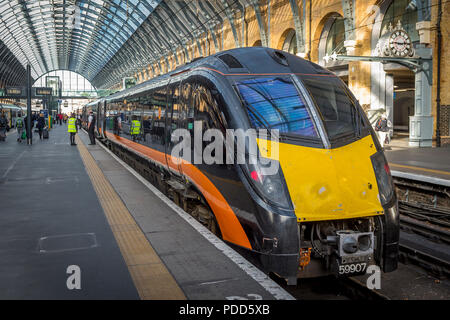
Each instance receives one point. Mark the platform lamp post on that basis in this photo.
(29, 131)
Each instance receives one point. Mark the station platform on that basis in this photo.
(77, 223)
(431, 165)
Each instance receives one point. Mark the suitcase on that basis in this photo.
(45, 133)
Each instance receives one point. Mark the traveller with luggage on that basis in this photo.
(19, 128)
(40, 125)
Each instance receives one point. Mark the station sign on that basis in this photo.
(45, 112)
(128, 82)
(14, 91)
(44, 91)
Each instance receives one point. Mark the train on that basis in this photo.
(12, 112)
(329, 209)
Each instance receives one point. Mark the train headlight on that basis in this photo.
(349, 245)
(266, 177)
(364, 242)
(384, 179)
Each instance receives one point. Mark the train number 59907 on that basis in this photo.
(352, 268)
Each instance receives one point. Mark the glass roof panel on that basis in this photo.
(47, 33)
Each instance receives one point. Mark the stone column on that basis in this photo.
(350, 46)
(421, 123)
(389, 100)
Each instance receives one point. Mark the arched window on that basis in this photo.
(74, 88)
(257, 43)
(336, 36)
(332, 38)
(72, 84)
(290, 42)
(399, 11)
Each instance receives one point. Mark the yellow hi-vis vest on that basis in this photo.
(135, 127)
(71, 125)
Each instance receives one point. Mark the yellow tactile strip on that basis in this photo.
(150, 276)
(418, 168)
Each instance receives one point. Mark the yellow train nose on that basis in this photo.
(330, 184)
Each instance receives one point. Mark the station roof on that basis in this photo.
(104, 40)
(76, 35)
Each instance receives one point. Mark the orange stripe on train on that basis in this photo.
(229, 224)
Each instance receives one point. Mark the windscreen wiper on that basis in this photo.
(358, 121)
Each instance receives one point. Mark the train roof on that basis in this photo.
(240, 61)
(9, 106)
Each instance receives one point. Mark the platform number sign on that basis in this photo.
(14, 91)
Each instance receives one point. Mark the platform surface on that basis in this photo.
(51, 219)
(53, 216)
(421, 162)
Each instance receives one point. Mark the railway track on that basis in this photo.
(425, 226)
(331, 288)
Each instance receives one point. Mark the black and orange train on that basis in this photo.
(330, 208)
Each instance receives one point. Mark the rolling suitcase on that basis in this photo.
(45, 133)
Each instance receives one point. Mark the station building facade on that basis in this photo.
(319, 30)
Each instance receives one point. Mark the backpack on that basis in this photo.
(19, 123)
(2, 122)
(378, 125)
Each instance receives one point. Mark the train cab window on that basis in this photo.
(275, 103)
(338, 110)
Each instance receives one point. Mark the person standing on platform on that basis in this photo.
(91, 127)
(19, 127)
(25, 121)
(72, 129)
(382, 127)
(135, 129)
(79, 122)
(3, 125)
(40, 125)
(117, 124)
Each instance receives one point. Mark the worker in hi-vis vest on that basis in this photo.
(72, 129)
(135, 129)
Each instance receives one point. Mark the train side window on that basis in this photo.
(147, 116)
(174, 107)
(187, 107)
(158, 102)
(207, 109)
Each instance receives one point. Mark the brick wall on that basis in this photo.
(445, 120)
(281, 21)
